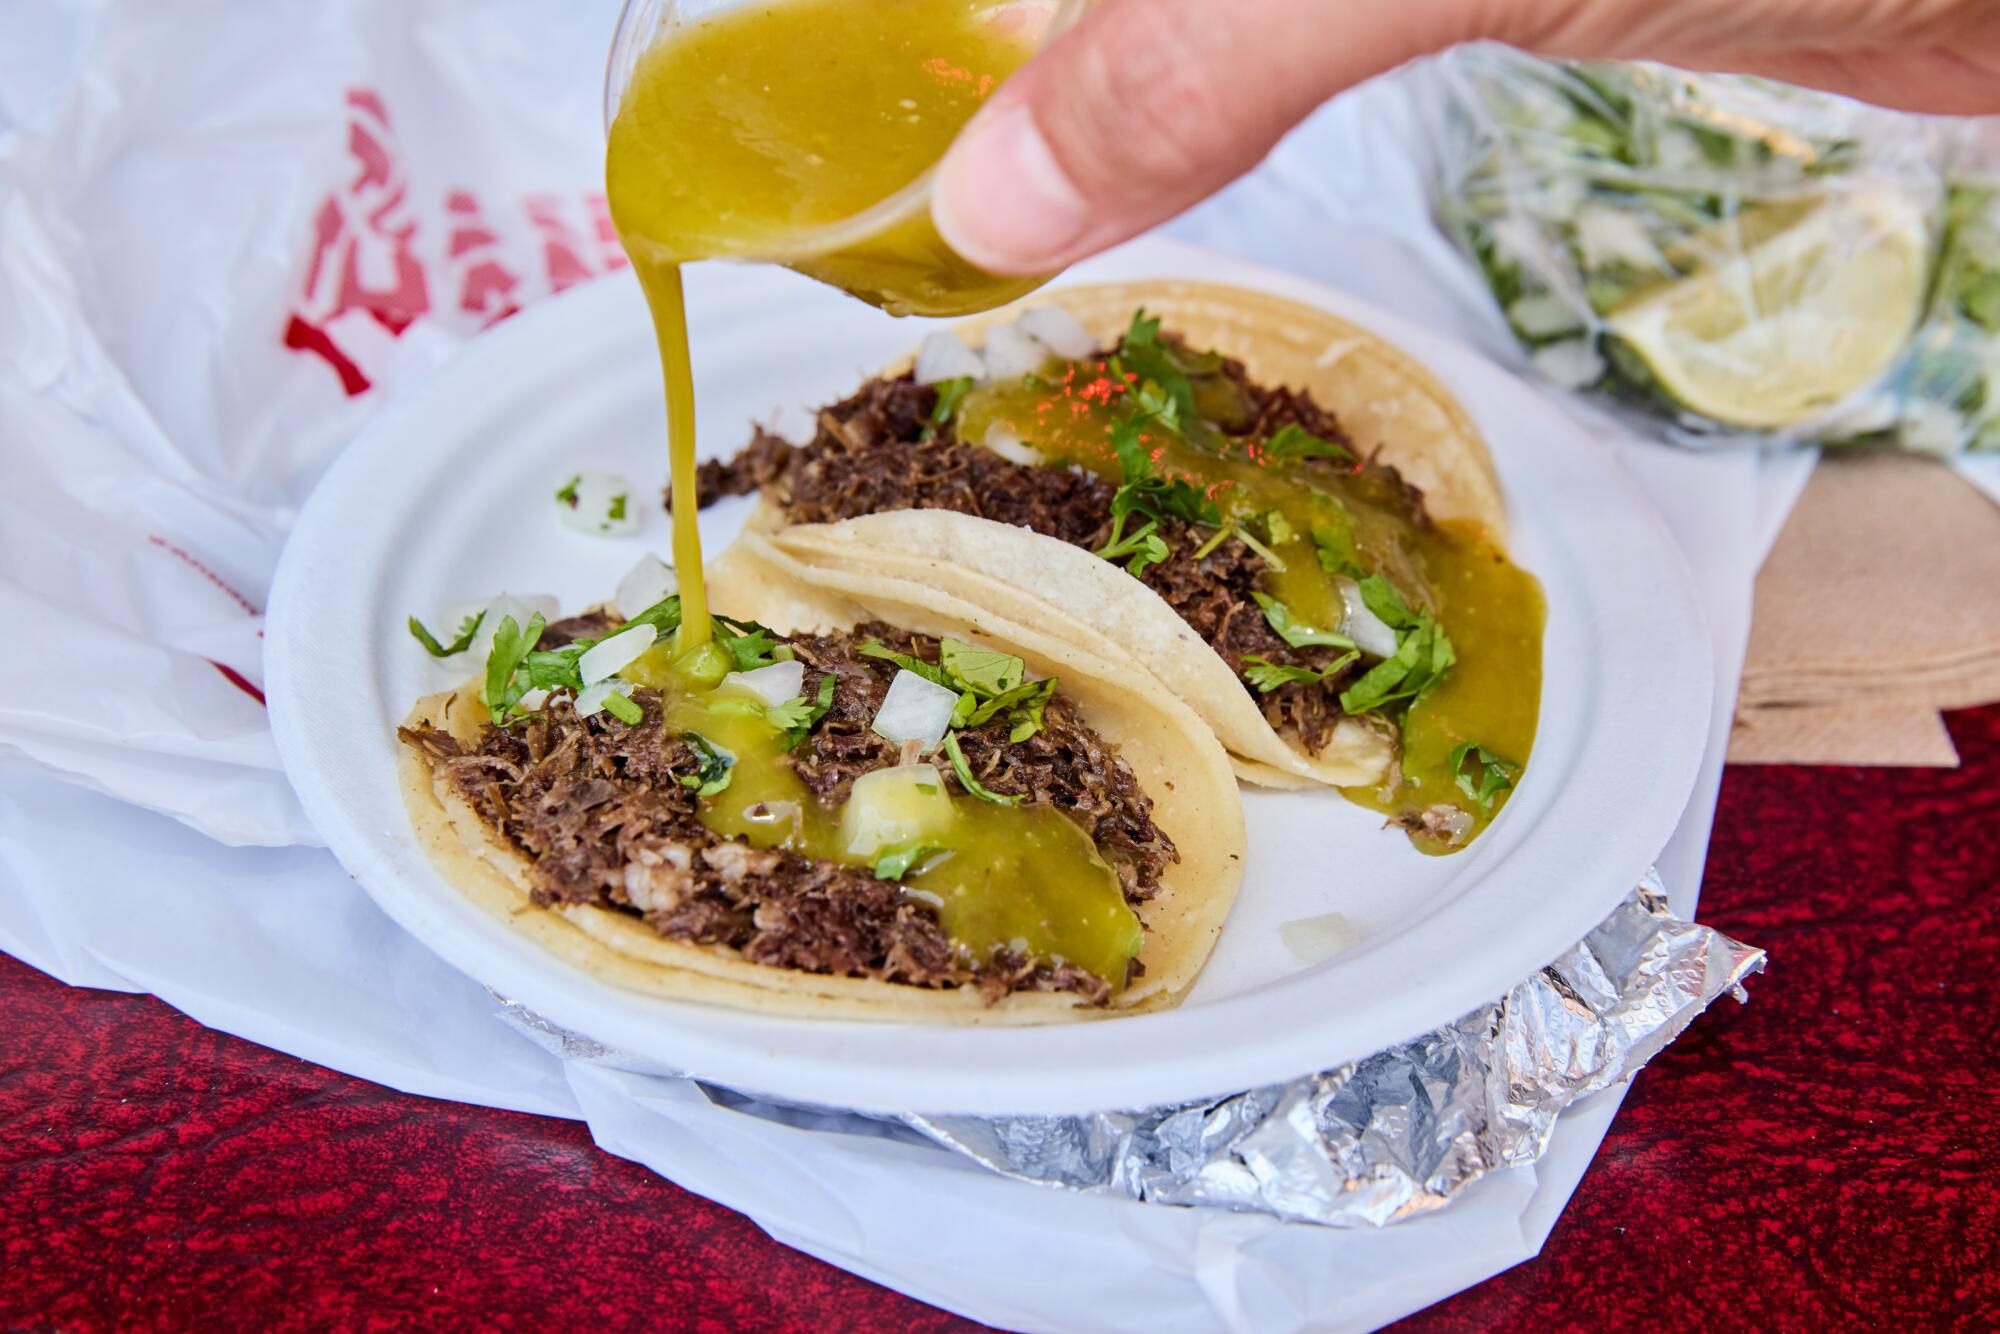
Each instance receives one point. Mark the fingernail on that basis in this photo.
(1002, 199)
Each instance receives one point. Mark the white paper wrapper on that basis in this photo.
(177, 186)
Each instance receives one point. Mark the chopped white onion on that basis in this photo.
(643, 585)
(1316, 939)
(1370, 633)
(521, 607)
(591, 698)
(607, 657)
(1544, 315)
(1609, 236)
(534, 699)
(1002, 441)
(599, 503)
(944, 356)
(1572, 365)
(915, 710)
(1011, 354)
(888, 807)
(1059, 331)
(773, 684)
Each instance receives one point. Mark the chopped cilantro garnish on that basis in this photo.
(963, 771)
(1023, 706)
(566, 494)
(1279, 527)
(1380, 596)
(750, 648)
(511, 644)
(1145, 548)
(1423, 656)
(1490, 775)
(664, 616)
(980, 669)
(950, 393)
(556, 668)
(468, 629)
(625, 709)
(1268, 676)
(988, 683)
(875, 648)
(1294, 631)
(1292, 441)
(801, 723)
(896, 862)
(616, 513)
(717, 766)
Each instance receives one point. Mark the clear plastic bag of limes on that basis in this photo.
(1731, 259)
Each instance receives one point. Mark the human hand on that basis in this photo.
(1147, 106)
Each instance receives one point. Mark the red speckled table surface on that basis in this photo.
(1826, 1157)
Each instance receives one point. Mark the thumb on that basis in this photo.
(1147, 106)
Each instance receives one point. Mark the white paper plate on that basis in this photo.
(446, 499)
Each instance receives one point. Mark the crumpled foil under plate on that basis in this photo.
(1398, 1134)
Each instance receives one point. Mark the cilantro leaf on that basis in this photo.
(468, 630)
(1292, 441)
(1423, 656)
(750, 649)
(553, 669)
(950, 393)
(1268, 676)
(1334, 539)
(875, 648)
(1023, 706)
(664, 616)
(717, 766)
(963, 771)
(1294, 631)
(511, 645)
(616, 511)
(566, 494)
(897, 862)
(1494, 775)
(1380, 596)
(800, 717)
(978, 669)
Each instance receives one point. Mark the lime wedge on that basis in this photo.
(1787, 308)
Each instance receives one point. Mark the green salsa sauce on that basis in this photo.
(1025, 878)
(1333, 513)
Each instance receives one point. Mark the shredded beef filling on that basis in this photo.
(868, 456)
(597, 806)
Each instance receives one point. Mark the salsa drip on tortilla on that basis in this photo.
(1308, 564)
(1011, 855)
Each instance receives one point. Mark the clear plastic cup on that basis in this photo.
(889, 254)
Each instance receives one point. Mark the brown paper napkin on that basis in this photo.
(1878, 607)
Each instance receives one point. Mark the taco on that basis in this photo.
(1277, 515)
(861, 804)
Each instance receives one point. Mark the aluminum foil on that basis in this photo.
(1398, 1134)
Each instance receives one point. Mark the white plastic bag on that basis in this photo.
(226, 231)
